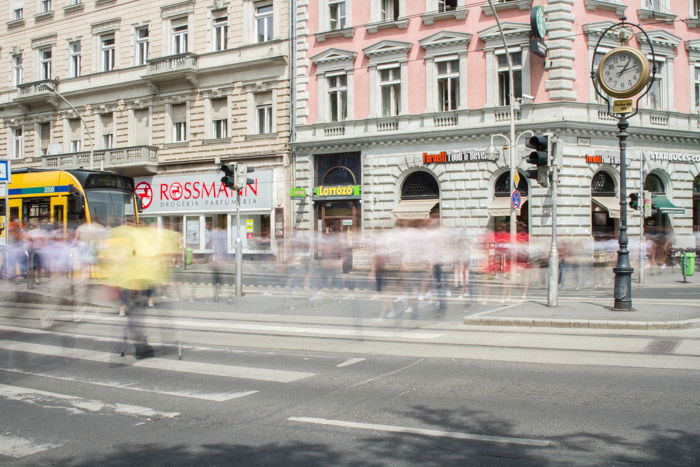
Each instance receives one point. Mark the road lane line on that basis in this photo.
(209, 369)
(352, 361)
(386, 374)
(77, 405)
(422, 431)
(212, 397)
(14, 446)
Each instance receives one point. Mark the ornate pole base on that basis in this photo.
(623, 288)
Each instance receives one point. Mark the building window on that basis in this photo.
(504, 80)
(446, 5)
(336, 14)
(18, 11)
(44, 137)
(263, 23)
(448, 84)
(180, 36)
(389, 10)
(45, 64)
(178, 115)
(655, 98)
(107, 130)
(75, 59)
(142, 45)
(44, 6)
(108, 53)
(338, 97)
(74, 135)
(221, 33)
(219, 118)
(17, 69)
(141, 127)
(390, 90)
(655, 5)
(263, 113)
(17, 143)
(696, 8)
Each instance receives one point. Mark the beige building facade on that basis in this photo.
(158, 90)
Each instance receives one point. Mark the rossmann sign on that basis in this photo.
(199, 193)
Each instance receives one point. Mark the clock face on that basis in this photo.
(623, 72)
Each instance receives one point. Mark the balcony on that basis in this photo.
(130, 160)
(35, 92)
(173, 67)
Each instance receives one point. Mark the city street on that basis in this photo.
(327, 383)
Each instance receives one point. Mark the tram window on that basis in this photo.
(14, 213)
(37, 212)
(76, 210)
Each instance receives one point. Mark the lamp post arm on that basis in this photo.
(87, 129)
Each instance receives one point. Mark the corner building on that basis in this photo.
(400, 99)
(161, 89)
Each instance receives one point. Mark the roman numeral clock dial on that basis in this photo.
(623, 72)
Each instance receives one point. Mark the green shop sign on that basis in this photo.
(297, 192)
(338, 191)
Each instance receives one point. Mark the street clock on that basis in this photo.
(623, 72)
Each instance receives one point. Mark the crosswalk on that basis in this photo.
(65, 383)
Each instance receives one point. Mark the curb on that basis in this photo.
(580, 323)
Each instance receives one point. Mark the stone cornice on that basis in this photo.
(446, 42)
(513, 4)
(612, 5)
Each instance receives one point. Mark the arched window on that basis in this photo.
(602, 184)
(420, 185)
(654, 184)
(338, 176)
(502, 187)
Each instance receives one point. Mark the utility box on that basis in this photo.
(688, 264)
(188, 256)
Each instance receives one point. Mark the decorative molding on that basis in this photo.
(43, 16)
(444, 42)
(517, 33)
(177, 9)
(459, 14)
(664, 42)
(612, 5)
(614, 37)
(68, 9)
(387, 49)
(15, 23)
(334, 56)
(103, 2)
(644, 13)
(102, 27)
(325, 35)
(44, 41)
(523, 5)
(693, 48)
(401, 23)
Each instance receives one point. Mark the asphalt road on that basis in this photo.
(323, 390)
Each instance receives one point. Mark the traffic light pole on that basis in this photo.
(623, 270)
(553, 271)
(239, 246)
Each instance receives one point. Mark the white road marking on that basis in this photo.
(212, 396)
(210, 369)
(352, 361)
(500, 308)
(77, 405)
(273, 328)
(17, 447)
(386, 374)
(422, 431)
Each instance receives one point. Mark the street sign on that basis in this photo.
(622, 106)
(515, 199)
(516, 178)
(5, 171)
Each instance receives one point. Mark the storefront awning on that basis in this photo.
(611, 203)
(663, 204)
(410, 209)
(500, 206)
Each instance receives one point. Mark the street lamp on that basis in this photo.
(623, 83)
(87, 130)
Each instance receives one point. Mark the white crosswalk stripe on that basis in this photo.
(15, 446)
(209, 369)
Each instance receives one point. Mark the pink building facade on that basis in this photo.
(401, 98)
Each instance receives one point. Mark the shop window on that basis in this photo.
(339, 176)
(420, 185)
(603, 185)
(654, 184)
(696, 211)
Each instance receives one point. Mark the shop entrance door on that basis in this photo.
(338, 220)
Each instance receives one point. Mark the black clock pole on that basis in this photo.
(623, 270)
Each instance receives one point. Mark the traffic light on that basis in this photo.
(242, 176)
(634, 201)
(229, 176)
(540, 158)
